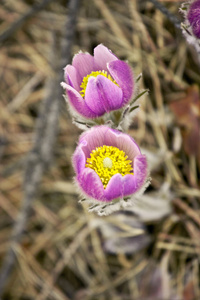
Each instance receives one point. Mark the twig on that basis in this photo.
(21, 97)
(17, 24)
(40, 157)
(167, 13)
(37, 160)
(188, 210)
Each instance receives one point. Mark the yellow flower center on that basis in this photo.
(108, 161)
(93, 74)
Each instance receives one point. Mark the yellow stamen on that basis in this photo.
(93, 74)
(108, 161)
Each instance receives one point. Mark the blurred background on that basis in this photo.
(51, 247)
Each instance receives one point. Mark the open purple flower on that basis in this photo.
(98, 84)
(191, 24)
(193, 17)
(109, 164)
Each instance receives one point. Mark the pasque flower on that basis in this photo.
(193, 17)
(109, 164)
(191, 24)
(98, 84)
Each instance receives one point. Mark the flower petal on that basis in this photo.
(91, 184)
(79, 158)
(102, 56)
(92, 98)
(103, 135)
(84, 64)
(123, 75)
(94, 137)
(133, 183)
(194, 17)
(114, 188)
(104, 91)
(72, 77)
(123, 142)
(77, 102)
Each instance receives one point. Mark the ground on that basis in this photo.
(62, 251)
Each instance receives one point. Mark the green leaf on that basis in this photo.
(139, 95)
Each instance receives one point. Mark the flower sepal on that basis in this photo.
(119, 119)
(128, 113)
(107, 208)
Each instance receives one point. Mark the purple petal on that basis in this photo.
(123, 142)
(79, 159)
(103, 90)
(103, 135)
(114, 188)
(91, 184)
(123, 75)
(72, 77)
(133, 183)
(92, 98)
(77, 102)
(94, 138)
(194, 17)
(102, 56)
(84, 64)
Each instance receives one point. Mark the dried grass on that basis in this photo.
(66, 252)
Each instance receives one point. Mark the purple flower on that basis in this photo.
(98, 84)
(191, 24)
(194, 17)
(109, 164)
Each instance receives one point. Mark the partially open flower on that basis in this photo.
(191, 24)
(98, 84)
(193, 17)
(109, 165)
